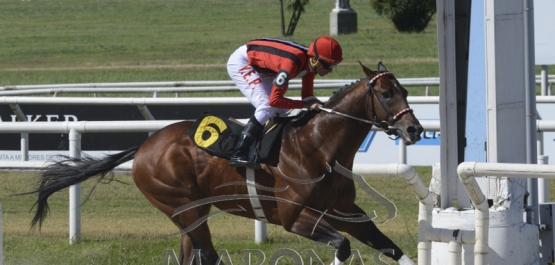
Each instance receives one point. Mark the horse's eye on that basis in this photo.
(386, 94)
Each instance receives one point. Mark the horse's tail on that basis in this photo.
(71, 171)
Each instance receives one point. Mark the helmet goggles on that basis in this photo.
(327, 65)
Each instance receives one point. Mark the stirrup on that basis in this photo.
(236, 162)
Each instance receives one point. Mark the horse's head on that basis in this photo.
(386, 102)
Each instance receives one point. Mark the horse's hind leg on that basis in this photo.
(194, 255)
(196, 241)
(163, 171)
(196, 245)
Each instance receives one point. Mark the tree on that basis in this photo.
(297, 7)
(406, 15)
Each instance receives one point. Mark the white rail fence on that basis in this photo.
(180, 86)
(177, 87)
(143, 103)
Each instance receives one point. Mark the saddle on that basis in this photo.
(218, 136)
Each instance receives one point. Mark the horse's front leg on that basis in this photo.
(311, 225)
(367, 233)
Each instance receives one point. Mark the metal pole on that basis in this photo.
(145, 112)
(539, 141)
(74, 191)
(448, 101)
(402, 152)
(455, 253)
(282, 19)
(544, 80)
(260, 235)
(1, 239)
(24, 136)
(530, 103)
(543, 183)
(25, 147)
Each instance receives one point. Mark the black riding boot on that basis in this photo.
(249, 136)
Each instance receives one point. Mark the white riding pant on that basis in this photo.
(256, 86)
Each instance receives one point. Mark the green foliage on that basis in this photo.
(406, 15)
(297, 5)
(297, 8)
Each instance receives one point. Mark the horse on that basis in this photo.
(296, 188)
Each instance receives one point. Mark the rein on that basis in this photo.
(351, 117)
(386, 126)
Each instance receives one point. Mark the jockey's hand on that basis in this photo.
(313, 104)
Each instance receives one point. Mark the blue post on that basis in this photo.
(476, 97)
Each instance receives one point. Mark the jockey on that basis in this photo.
(262, 69)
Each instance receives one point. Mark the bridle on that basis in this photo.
(383, 124)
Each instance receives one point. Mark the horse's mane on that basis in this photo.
(345, 87)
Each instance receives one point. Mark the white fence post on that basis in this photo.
(455, 253)
(74, 191)
(402, 152)
(260, 235)
(25, 147)
(543, 183)
(1, 239)
(544, 80)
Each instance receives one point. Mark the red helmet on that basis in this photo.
(326, 49)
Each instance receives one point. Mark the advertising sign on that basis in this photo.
(42, 146)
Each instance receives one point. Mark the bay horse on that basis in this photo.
(298, 189)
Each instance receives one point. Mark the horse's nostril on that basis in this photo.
(411, 129)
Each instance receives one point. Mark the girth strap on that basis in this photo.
(253, 196)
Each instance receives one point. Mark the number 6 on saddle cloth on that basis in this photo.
(218, 136)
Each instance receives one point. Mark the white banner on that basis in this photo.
(544, 31)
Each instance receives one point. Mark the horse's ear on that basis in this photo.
(369, 73)
(381, 67)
